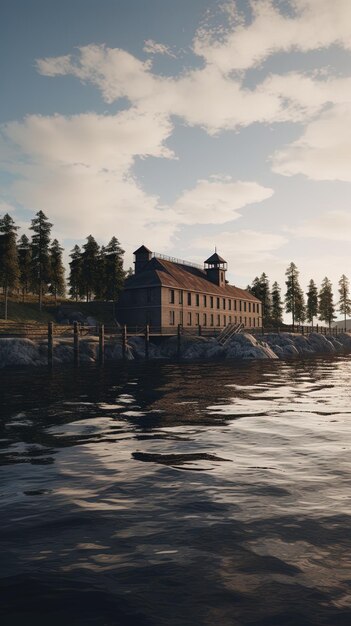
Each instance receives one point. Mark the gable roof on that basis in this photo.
(141, 249)
(159, 272)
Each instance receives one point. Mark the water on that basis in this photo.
(177, 494)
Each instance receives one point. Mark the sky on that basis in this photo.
(183, 126)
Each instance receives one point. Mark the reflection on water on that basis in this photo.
(177, 494)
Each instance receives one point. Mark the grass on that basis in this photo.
(28, 311)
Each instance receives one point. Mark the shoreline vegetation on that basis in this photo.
(244, 346)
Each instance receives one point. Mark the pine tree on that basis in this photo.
(114, 273)
(312, 302)
(344, 301)
(100, 291)
(75, 275)
(260, 289)
(40, 254)
(90, 267)
(9, 270)
(24, 262)
(57, 271)
(326, 306)
(294, 300)
(277, 305)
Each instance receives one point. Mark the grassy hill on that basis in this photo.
(28, 311)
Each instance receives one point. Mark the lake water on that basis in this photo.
(177, 494)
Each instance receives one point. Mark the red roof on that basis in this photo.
(159, 272)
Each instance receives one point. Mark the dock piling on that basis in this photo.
(101, 343)
(76, 343)
(50, 343)
(147, 339)
(124, 341)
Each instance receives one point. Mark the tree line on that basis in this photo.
(35, 265)
(317, 303)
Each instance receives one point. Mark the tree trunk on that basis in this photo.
(6, 301)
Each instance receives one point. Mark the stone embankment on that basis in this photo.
(243, 346)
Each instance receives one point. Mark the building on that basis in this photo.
(164, 292)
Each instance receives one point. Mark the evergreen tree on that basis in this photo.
(265, 298)
(344, 301)
(100, 291)
(326, 306)
(90, 267)
(260, 289)
(130, 272)
(9, 270)
(277, 305)
(40, 254)
(114, 273)
(312, 302)
(294, 300)
(57, 271)
(24, 262)
(75, 275)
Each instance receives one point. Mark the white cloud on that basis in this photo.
(152, 47)
(216, 201)
(331, 225)
(323, 151)
(315, 24)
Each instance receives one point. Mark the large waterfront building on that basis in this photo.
(165, 292)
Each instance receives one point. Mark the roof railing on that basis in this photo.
(173, 259)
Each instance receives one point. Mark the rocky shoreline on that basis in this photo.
(20, 351)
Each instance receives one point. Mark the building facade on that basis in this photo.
(165, 292)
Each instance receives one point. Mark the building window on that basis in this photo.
(225, 320)
(230, 319)
(229, 305)
(211, 302)
(171, 318)
(241, 320)
(249, 322)
(234, 305)
(211, 320)
(239, 305)
(189, 319)
(218, 303)
(171, 296)
(197, 319)
(249, 307)
(218, 320)
(245, 321)
(189, 299)
(253, 307)
(197, 299)
(244, 307)
(254, 321)
(235, 320)
(180, 297)
(223, 303)
(205, 300)
(222, 276)
(205, 319)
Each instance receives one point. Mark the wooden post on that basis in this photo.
(124, 341)
(147, 339)
(317, 328)
(200, 330)
(101, 343)
(76, 343)
(179, 336)
(303, 329)
(50, 343)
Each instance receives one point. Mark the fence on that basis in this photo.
(120, 334)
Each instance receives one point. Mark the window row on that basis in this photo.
(211, 319)
(194, 299)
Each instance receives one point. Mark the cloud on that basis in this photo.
(152, 47)
(323, 151)
(79, 170)
(217, 200)
(331, 225)
(314, 24)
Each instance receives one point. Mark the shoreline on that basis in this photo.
(242, 347)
